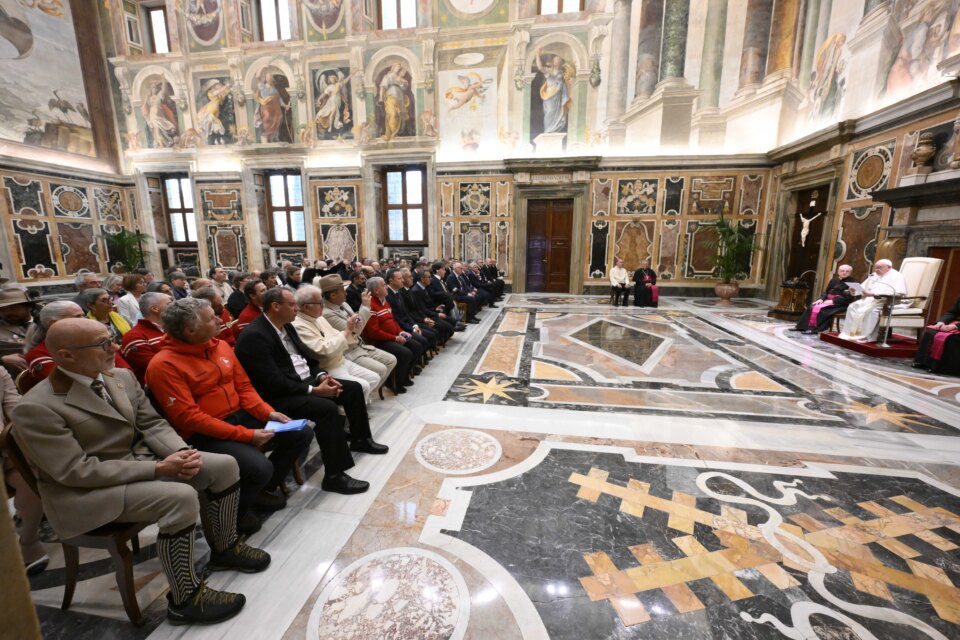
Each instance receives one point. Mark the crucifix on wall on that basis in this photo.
(805, 230)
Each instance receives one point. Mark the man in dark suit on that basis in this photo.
(423, 334)
(438, 289)
(420, 293)
(358, 284)
(284, 370)
(480, 282)
(492, 273)
(464, 291)
(422, 314)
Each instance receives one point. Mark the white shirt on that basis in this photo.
(224, 289)
(129, 307)
(889, 283)
(82, 379)
(299, 362)
(618, 276)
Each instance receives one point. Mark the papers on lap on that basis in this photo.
(857, 289)
(280, 427)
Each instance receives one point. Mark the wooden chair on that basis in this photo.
(462, 308)
(25, 381)
(113, 537)
(393, 383)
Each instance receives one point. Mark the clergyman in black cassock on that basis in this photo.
(819, 314)
(939, 349)
(643, 295)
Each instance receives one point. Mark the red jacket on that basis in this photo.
(381, 326)
(40, 363)
(197, 385)
(226, 334)
(140, 344)
(248, 315)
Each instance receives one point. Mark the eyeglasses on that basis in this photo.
(307, 304)
(106, 344)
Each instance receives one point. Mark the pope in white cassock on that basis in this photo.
(863, 316)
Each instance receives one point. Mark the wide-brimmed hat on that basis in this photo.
(331, 282)
(14, 295)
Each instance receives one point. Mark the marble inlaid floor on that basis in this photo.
(568, 470)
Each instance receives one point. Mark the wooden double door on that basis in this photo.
(549, 245)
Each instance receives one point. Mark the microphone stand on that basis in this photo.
(888, 302)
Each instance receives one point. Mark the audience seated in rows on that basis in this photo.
(285, 372)
(102, 455)
(383, 332)
(424, 335)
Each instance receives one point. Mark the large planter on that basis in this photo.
(725, 291)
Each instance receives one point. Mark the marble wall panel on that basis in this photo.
(339, 240)
(474, 240)
(446, 199)
(34, 249)
(114, 256)
(227, 246)
(601, 192)
(221, 203)
(673, 195)
(446, 239)
(857, 239)
(633, 241)
(188, 258)
(699, 250)
(637, 196)
(751, 191)
(599, 232)
(669, 244)
(70, 201)
(473, 199)
(109, 204)
(296, 256)
(24, 197)
(78, 246)
(336, 201)
(712, 195)
(504, 194)
(503, 246)
(870, 170)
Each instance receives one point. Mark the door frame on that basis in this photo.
(523, 194)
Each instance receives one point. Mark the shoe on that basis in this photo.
(407, 383)
(460, 327)
(342, 483)
(494, 306)
(367, 445)
(206, 606)
(400, 389)
(416, 370)
(473, 321)
(38, 566)
(240, 557)
(248, 523)
(269, 501)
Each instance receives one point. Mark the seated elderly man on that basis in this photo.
(818, 316)
(327, 344)
(422, 333)
(338, 313)
(16, 318)
(462, 291)
(383, 332)
(104, 455)
(141, 343)
(284, 371)
(863, 316)
(85, 280)
(421, 311)
(939, 349)
(206, 395)
(424, 300)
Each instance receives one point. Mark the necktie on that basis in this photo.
(101, 391)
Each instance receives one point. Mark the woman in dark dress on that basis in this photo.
(645, 291)
(817, 316)
(939, 349)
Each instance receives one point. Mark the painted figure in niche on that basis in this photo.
(828, 78)
(552, 94)
(333, 104)
(273, 119)
(160, 114)
(324, 13)
(921, 46)
(395, 110)
(203, 16)
(472, 92)
(216, 116)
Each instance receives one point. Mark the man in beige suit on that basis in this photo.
(104, 455)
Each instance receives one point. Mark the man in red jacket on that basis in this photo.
(254, 290)
(383, 332)
(141, 343)
(206, 395)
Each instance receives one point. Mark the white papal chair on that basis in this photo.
(920, 275)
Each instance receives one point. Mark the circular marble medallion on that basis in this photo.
(458, 451)
(395, 593)
(69, 201)
(870, 172)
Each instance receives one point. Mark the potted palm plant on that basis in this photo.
(734, 245)
(130, 245)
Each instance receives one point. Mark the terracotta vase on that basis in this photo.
(925, 150)
(725, 291)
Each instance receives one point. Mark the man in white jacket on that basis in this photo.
(863, 316)
(620, 282)
(329, 344)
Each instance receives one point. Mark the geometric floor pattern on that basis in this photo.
(569, 470)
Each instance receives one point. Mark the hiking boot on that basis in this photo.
(240, 557)
(205, 606)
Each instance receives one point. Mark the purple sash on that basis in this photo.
(939, 342)
(815, 309)
(654, 291)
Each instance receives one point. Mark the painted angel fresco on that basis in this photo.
(471, 92)
(334, 117)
